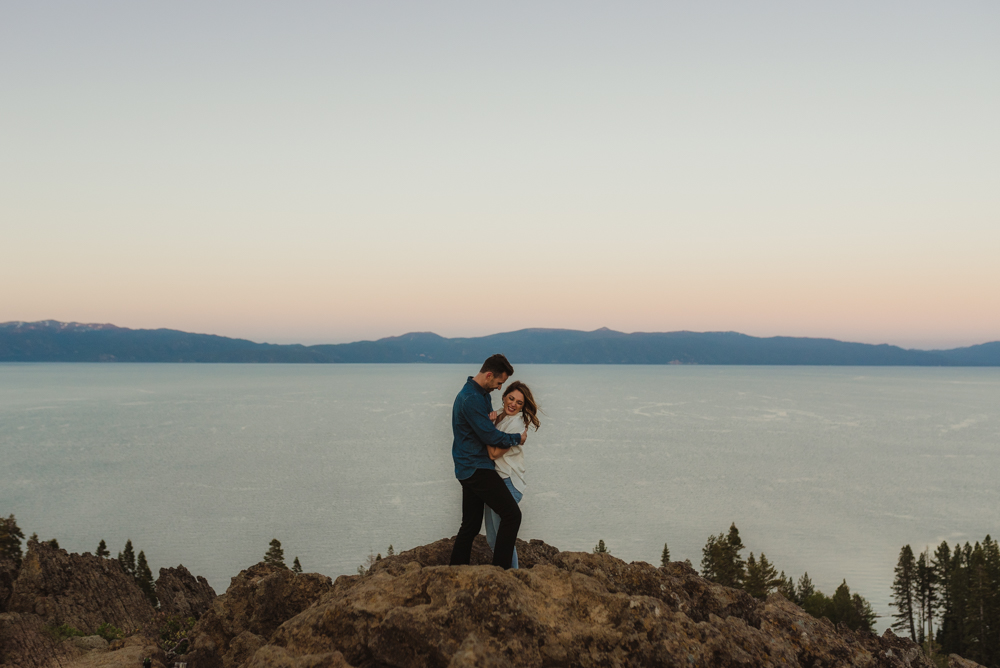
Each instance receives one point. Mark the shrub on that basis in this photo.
(110, 632)
(62, 631)
(174, 632)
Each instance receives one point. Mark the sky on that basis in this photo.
(328, 172)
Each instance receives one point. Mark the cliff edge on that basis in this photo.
(559, 609)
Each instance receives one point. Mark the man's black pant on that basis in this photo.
(485, 487)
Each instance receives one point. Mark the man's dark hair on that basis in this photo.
(497, 364)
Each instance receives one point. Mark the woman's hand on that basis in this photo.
(493, 416)
(495, 453)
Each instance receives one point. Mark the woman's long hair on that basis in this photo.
(530, 409)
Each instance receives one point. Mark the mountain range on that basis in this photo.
(53, 341)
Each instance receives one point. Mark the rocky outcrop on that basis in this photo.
(182, 594)
(83, 591)
(529, 554)
(242, 620)
(575, 609)
(24, 643)
(955, 661)
(128, 653)
(411, 609)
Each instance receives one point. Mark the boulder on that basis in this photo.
(89, 642)
(241, 621)
(83, 591)
(578, 609)
(529, 553)
(182, 594)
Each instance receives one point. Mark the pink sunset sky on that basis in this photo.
(327, 173)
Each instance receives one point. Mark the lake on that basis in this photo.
(829, 470)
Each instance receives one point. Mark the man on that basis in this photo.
(481, 486)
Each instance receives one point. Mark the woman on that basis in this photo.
(519, 412)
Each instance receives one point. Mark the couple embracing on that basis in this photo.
(489, 462)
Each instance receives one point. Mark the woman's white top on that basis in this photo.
(511, 465)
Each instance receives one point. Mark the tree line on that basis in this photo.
(135, 566)
(949, 600)
(723, 563)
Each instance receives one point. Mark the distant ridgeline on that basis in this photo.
(51, 341)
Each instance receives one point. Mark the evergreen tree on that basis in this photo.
(787, 588)
(10, 539)
(665, 555)
(52, 542)
(390, 552)
(127, 558)
(296, 566)
(976, 628)
(102, 550)
(600, 547)
(854, 611)
(960, 586)
(805, 588)
(275, 555)
(991, 608)
(721, 561)
(903, 589)
(948, 636)
(926, 596)
(144, 578)
(761, 577)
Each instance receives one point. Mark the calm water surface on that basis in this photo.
(829, 470)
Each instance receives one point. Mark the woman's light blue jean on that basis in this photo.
(493, 521)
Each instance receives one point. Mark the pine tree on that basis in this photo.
(275, 555)
(960, 585)
(144, 578)
(805, 588)
(296, 566)
(948, 627)
(991, 608)
(976, 628)
(600, 547)
(102, 550)
(926, 596)
(787, 588)
(390, 552)
(903, 589)
(721, 561)
(10, 539)
(127, 558)
(761, 577)
(665, 555)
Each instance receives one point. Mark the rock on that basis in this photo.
(83, 591)
(129, 654)
(89, 642)
(241, 621)
(8, 574)
(270, 656)
(578, 609)
(25, 644)
(183, 595)
(438, 553)
(955, 661)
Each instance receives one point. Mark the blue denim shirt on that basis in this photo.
(473, 430)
